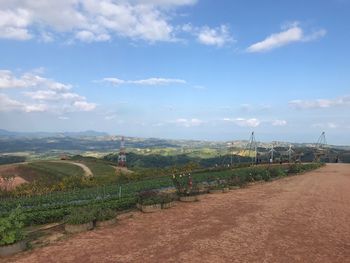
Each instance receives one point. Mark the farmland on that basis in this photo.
(54, 206)
(285, 220)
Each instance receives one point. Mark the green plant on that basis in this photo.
(218, 186)
(167, 198)
(105, 214)
(80, 216)
(149, 197)
(277, 172)
(295, 168)
(11, 227)
(265, 175)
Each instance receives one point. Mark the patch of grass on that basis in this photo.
(100, 169)
(51, 171)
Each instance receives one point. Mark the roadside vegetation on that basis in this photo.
(55, 206)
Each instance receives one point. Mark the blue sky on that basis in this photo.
(188, 69)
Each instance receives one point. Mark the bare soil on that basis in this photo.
(14, 171)
(304, 218)
(123, 170)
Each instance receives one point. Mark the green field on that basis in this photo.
(100, 169)
(44, 171)
(58, 169)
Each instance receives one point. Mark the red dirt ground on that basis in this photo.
(11, 170)
(304, 218)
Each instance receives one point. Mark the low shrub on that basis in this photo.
(234, 180)
(218, 186)
(295, 168)
(167, 198)
(265, 175)
(105, 214)
(11, 227)
(277, 172)
(80, 216)
(192, 192)
(149, 197)
(46, 216)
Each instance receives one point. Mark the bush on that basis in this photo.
(234, 180)
(46, 216)
(105, 214)
(295, 168)
(80, 216)
(276, 172)
(167, 198)
(11, 227)
(265, 175)
(217, 186)
(149, 197)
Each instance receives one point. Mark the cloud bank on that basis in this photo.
(292, 33)
(39, 94)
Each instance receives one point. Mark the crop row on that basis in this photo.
(53, 207)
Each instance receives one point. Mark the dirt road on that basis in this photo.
(304, 218)
(87, 170)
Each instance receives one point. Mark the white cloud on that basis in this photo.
(188, 122)
(45, 95)
(114, 81)
(254, 108)
(149, 81)
(89, 20)
(168, 2)
(36, 108)
(315, 35)
(110, 117)
(29, 79)
(329, 125)
(7, 104)
(84, 106)
(219, 36)
(53, 95)
(14, 23)
(253, 122)
(292, 33)
(279, 123)
(87, 36)
(158, 81)
(320, 103)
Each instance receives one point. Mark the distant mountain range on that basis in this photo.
(89, 133)
(102, 141)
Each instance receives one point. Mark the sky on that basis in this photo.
(179, 69)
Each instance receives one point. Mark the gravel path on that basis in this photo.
(87, 170)
(304, 218)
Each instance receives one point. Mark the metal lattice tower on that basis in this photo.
(252, 149)
(271, 152)
(122, 154)
(231, 153)
(321, 147)
(321, 142)
(290, 153)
